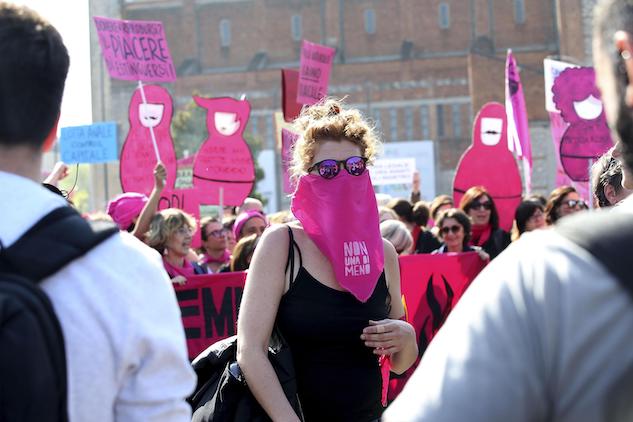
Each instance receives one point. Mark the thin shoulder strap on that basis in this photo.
(608, 236)
(290, 262)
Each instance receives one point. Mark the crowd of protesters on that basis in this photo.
(534, 338)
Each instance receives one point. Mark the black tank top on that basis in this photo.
(338, 376)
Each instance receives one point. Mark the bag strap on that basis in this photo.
(58, 238)
(608, 236)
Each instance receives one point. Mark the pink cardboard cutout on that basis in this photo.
(135, 50)
(288, 139)
(587, 137)
(489, 163)
(314, 72)
(224, 159)
(137, 156)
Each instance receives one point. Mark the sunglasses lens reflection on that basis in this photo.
(328, 169)
(355, 166)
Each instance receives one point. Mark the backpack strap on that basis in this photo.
(608, 236)
(54, 241)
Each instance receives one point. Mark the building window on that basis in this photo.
(440, 120)
(393, 124)
(370, 21)
(295, 27)
(456, 117)
(424, 123)
(519, 11)
(225, 33)
(408, 123)
(445, 16)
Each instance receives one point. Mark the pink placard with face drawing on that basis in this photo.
(138, 158)
(224, 159)
(489, 163)
(587, 137)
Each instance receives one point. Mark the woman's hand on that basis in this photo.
(388, 336)
(60, 172)
(483, 254)
(160, 175)
(179, 280)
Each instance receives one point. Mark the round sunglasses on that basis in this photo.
(453, 229)
(328, 169)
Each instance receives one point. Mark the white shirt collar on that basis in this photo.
(22, 203)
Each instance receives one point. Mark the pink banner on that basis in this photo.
(209, 305)
(288, 139)
(518, 129)
(135, 50)
(431, 286)
(314, 73)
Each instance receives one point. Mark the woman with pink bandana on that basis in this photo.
(329, 282)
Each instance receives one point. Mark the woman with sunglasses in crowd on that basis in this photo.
(214, 251)
(480, 207)
(170, 233)
(563, 201)
(329, 282)
(455, 231)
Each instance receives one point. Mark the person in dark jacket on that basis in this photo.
(423, 240)
(480, 207)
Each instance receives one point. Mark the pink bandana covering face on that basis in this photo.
(340, 215)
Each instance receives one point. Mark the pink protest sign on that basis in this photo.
(137, 156)
(314, 72)
(587, 137)
(135, 50)
(288, 138)
(224, 159)
(489, 163)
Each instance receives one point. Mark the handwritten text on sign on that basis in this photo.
(209, 306)
(135, 50)
(314, 72)
(89, 144)
(392, 171)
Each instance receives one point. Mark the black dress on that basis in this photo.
(338, 376)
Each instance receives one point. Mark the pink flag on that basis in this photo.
(518, 130)
(314, 73)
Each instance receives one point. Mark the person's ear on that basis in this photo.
(50, 139)
(610, 194)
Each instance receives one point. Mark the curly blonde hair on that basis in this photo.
(329, 119)
(164, 224)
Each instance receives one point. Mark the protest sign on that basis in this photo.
(135, 50)
(489, 163)
(138, 159)
(314, 72)
(587, 137)
(224, 160)
(95, 143)
(423, 154)
(289, 84)
(209, 306)
(431, 286)
(392, 171)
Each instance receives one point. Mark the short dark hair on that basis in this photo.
(461, 217)
(403, 208)
(438, 202)
(243, 252)
(555, 201)
(525, 210)
(421, 213)
(474, 194)
(33, 67)
(604, 172)
(203, 226)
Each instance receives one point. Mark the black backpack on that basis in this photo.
(33, 385)
(608, 235)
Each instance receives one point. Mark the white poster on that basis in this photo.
(422, 152)
(392, 171)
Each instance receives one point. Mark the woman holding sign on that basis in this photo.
(327, 282)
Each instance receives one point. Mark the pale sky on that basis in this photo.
(70, 17)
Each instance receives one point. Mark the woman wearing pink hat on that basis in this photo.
(330, 283)
(249, 222)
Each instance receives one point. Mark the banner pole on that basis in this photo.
(151, 129)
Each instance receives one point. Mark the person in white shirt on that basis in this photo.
(125, 345)
(544, 332)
